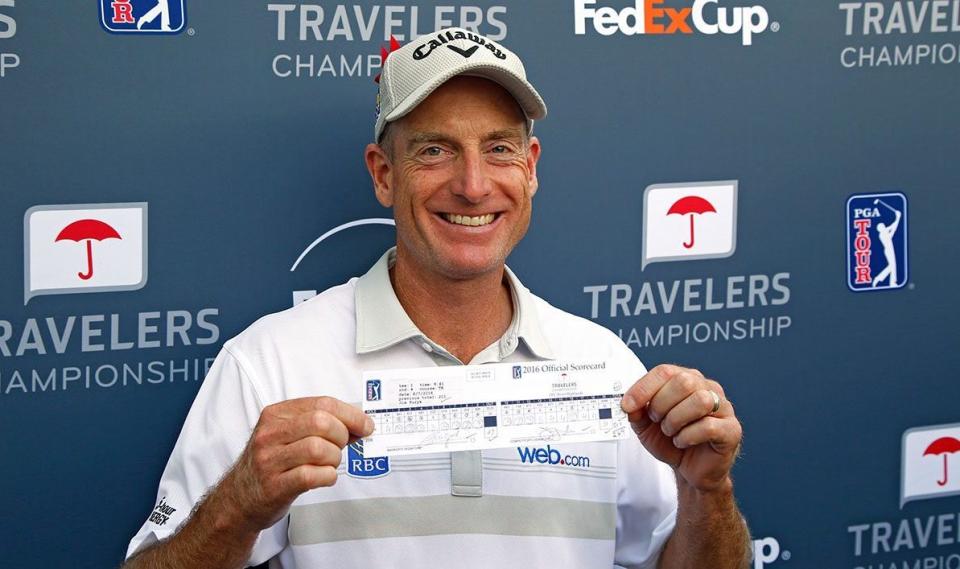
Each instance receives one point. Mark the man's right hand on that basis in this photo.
(295, 447)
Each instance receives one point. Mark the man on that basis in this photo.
(457, 164)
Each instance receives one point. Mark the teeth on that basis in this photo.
(468, 220)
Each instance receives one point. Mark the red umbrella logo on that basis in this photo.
(944, 446)
(691, 205)
(87, 230)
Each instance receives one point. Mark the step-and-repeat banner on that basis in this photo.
(766, 190)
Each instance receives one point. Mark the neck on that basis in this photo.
(462, 315)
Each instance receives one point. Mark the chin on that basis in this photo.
(470, 266)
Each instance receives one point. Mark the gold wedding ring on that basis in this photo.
(716, 402)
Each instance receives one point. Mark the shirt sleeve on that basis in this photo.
(214, 435)
(646, 497)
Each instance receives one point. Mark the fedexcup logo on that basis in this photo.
(766, 551)
(651, 17)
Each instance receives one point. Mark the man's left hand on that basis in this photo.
(684, 420)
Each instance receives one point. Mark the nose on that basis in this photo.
(471, 181)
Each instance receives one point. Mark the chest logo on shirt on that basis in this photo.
(360, 466)
(551, 456)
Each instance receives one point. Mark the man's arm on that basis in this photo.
(295, 447)
(709, 527)
(684, 420)
(209, 539)
(896, 223)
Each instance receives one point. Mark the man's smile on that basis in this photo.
(469, 220)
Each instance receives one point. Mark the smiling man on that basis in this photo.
(258, 472)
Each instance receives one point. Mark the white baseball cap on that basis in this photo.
(412, 72)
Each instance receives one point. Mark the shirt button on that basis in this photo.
(426, 347)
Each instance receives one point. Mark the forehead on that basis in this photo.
(465, 102)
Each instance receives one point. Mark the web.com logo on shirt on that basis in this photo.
(549, 455)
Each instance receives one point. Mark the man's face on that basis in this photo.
(459, 173)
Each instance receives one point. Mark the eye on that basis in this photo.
(501, 149)
(432, 151)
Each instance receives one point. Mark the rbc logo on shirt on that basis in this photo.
(876, 241)
(143, 16)
(360, 466)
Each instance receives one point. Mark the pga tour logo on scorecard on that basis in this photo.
(688, 221)
(84, 248)
(373, 390)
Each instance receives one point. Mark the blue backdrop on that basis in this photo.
(242, 127)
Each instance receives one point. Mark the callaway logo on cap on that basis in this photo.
(412, 72)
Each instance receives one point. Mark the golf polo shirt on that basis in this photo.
(586, 505)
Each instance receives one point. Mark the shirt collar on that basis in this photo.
(382, 322)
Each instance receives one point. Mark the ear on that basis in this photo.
(533, 155)
(379, 166)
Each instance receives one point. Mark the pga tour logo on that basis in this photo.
(930, 465)
(876, 241)
(373, 390)
(143, 16)
(84, 248)
(689, 221)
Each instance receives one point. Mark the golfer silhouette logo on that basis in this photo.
(143, 16)
(885, 233)
(876, 241)
(162, 9)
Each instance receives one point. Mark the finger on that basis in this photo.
(639, 420)
(683, 384)
(319, 424)
(307, 477)
(723, 434)
(696, 406)
(356, 421)
(641, 392)
(311, 450)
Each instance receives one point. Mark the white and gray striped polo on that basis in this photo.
(588, 505)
